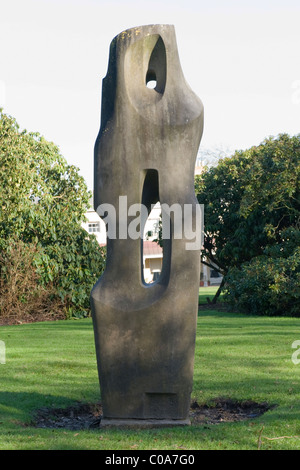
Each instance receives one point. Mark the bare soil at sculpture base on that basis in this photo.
(88, 416)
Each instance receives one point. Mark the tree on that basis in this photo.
(42, 204)
(251, 200)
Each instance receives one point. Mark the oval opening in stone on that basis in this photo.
(152, 246)
(157, 67)
(151, 251)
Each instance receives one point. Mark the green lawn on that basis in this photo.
(207, 292)
(237, 356)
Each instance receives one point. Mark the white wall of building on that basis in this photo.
(95, 225)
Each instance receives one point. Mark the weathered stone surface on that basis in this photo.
(146, 150)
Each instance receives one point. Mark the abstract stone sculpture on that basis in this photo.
(146, 151)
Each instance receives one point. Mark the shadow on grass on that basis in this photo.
(19, 406)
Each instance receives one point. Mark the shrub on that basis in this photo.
(266, 286)
(23, 297)
(72, 266)
(43, 201)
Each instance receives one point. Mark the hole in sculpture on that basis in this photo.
(152, 249)
(152, 252)
(151, 84)
(151, 80)
(157, 67)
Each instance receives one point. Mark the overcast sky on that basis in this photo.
(242, 58)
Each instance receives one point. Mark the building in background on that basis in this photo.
(95, 225)
(198, 166)
(152, 252)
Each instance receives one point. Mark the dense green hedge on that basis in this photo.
(266, 286)
(47, 260)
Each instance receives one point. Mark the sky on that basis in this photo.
(241, 57)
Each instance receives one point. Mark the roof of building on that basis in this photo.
(151, 248)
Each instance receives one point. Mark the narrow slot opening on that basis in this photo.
(152, 252)
(152, 246)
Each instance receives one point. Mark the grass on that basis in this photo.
(237, 356)
(207, 293)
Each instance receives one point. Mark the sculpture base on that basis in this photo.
(143, 423)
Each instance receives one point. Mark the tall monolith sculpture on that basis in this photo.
(145, 152)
